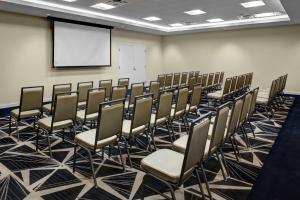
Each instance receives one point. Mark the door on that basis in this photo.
(132, 62)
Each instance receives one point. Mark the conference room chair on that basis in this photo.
(107, 84)
(161, 78)
(168, 81)
(30, 107)
(252, 108)
(191, 83)
(204, 80)
(191, 74)
(83, 88)
(58, 88)
(183, 79)
(139, 123)
(199, 79)
(264, 100)
(243, 117)
(196, 74)
(177, 168)
(178, 111)
(137, 89)
(221, 79)
(209, 85)
(123, 82)
(107, 133)
(233, 86)
(161, 116)
(220, 95)
(154, 89)
(90, 114)
(176, 80)
(192, 106)
(118, 92)
(216, 80)
(64, 116)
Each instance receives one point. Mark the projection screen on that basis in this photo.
(78, 45)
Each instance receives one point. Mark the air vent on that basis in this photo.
(116, 3)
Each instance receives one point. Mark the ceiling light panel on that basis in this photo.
(176, 24)
(252, 4)
(103, 6)
(69, 0)
(215, 20)
(195, 12)
(152, 18)
(268, 14)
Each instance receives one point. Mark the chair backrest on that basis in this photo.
(169, 79)
(154, 89)
(137, 89)
(95, 97)
(142, 111)
(243, 82)
(83, 88)
(219, 127)
(196, 74)
(65, 107)
(191, 82)
(191, 74)
(216, 78)
(182, 98)
(176, 80)
(233, 84)
(235, 115)
(271, 92)
(107, 84)
(253, 102)
(195, 148)
(183, 79)
(60, 88)
(165, 105)
(245, 109)
(238, 83)
(123, 82)
(227, 85)
(118, 92)
(196, 95)
(221, 78)
(161, 79)
(204, 80)
(31, 98)
(210, 79)
(110, 120)
(199, 79)
(250, 79)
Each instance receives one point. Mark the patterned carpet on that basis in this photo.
(27, 174)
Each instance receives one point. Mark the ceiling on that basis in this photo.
(130, 14)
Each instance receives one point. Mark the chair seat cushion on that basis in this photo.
(165, 164)
(89, 117)
(177, 114)
(127, 126)
(158, 121)
(25, 114)
(45, 123)
(215, 95)
(47, 107)
(87, 139)
(192, 109)
(263, 101)
(82, 104)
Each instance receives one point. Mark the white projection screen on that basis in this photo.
(77, 45)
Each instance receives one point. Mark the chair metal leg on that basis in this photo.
(92, 167)
(121, 158)
(17, 129)
(109, 151)
(152, 137)
(220, 163)
(171, 132)
(37, 140)
(234, 150)
(9, 126)
(246, 136)
(224, 161)
(206, 182)
(75, 157)
(200, 184)
(251, 127)
(49, 144)
(128, 153)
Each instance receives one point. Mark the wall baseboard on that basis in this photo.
(291, 92)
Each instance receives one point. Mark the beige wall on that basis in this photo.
(26, 57)
(268, 52)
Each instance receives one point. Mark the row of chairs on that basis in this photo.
(272, 98)
(208, 81)
(233, 87)
(206, 138)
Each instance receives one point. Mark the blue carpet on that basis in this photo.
(280, 175)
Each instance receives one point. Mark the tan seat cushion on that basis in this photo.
(89, 117)
(178, 113)
(158, 121)
(193, 108)
(47, 107)
(215, 95)
(25, 114)
(82, 104)
(87, 139)
(127, 126)
(45, 124)
(263, 101)
(165, 164)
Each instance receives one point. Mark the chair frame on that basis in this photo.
(108, 80)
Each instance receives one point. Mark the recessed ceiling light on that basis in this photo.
(252, 4)
(269, 14)
(195, 12)
(176, 24)
(69, 0)
(152, 18)
(103, 6)
(215, 20)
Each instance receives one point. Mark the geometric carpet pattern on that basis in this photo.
(27, 174)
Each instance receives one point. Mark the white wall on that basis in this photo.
(26, 57)
(268, 52)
